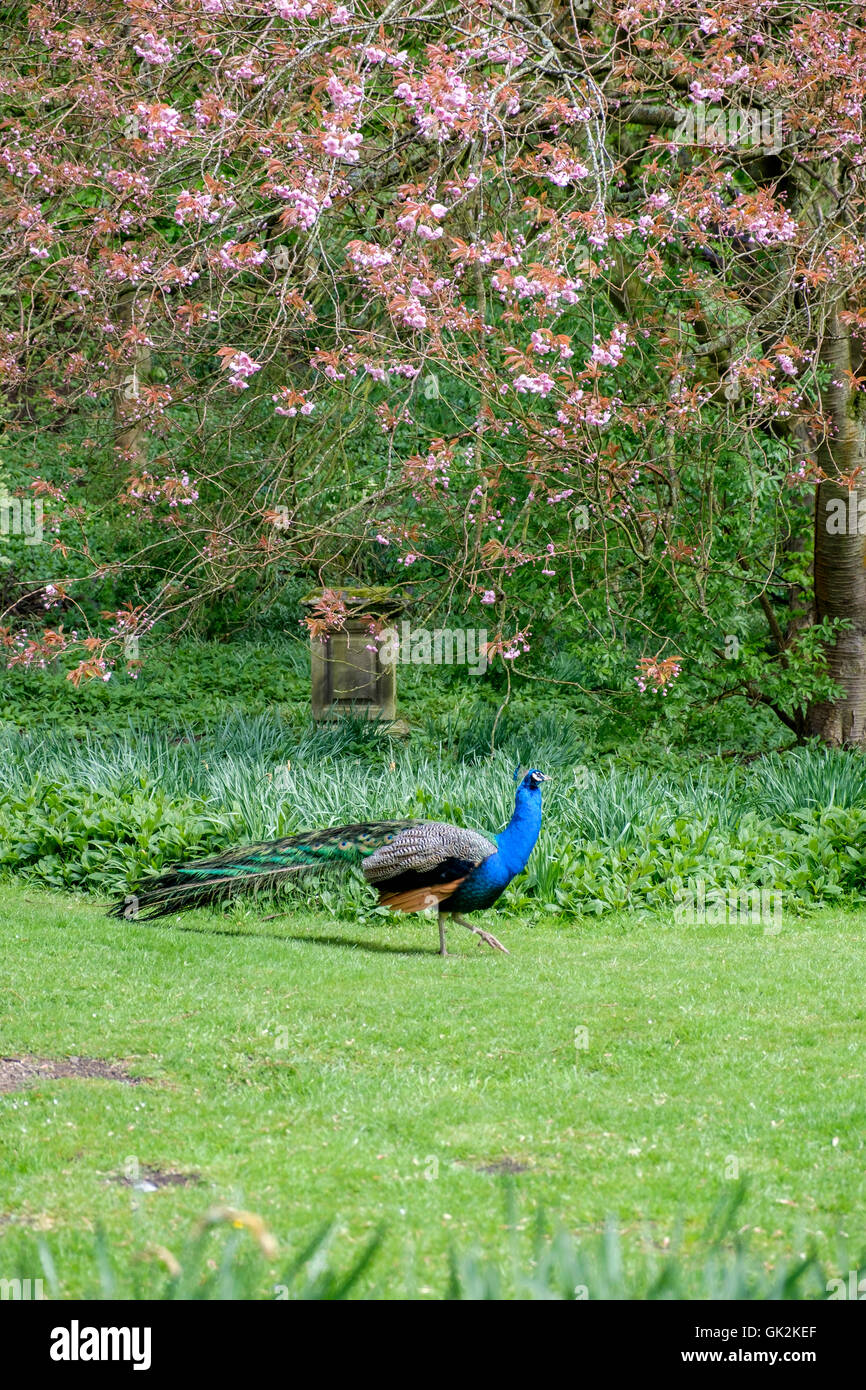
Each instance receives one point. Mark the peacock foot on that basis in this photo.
(476, 931)
(492, 941)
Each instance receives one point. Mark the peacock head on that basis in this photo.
(516, 841)
(533, 780)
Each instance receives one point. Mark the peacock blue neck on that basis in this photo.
(516, 841)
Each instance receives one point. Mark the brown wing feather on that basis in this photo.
(416, 899)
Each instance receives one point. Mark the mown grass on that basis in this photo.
(308, 1070)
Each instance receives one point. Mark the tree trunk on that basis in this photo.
(840, 548)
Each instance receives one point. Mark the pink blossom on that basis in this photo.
(201, 205)
(292, 402)
(540, 385)
(610, 354)
(162, 126)
(412, 314)
(235, 257)
(153, 49)
(341, 95)
(240, 366)
(342, 144)
(364, 255)
(565, 169)
(294, 9)
(699, 92)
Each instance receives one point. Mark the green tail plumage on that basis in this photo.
(255, 867)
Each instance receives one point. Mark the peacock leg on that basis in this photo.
(442, 950)
(485, 935)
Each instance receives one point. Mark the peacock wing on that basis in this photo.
(425, 863)
(423, 847)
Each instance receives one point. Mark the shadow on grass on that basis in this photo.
(345, 942)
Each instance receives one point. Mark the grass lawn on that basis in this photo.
(308, 1070)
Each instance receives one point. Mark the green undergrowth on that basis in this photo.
(98, 812)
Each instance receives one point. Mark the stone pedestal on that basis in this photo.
(347, 671)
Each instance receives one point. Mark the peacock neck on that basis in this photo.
(516, 841)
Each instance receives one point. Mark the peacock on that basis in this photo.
(412, 864)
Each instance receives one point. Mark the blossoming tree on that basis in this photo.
(593, 273)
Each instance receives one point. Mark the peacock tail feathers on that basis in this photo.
(255, 868)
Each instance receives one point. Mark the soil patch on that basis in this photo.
(18, 1072)
(149, 1179)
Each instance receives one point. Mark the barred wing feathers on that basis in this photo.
(425, 863)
